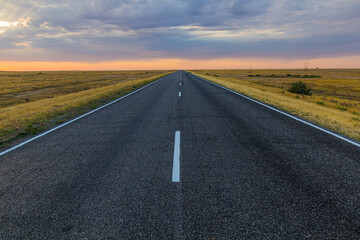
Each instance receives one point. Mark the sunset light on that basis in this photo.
(279, 33)
(179, 119)
(8, 24)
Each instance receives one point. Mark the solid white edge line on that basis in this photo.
(179, 94)
(77, 118)
(284, 113)
(176, 159)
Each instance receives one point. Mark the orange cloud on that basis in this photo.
(342, 62)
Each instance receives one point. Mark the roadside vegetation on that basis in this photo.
(31, 102)
(300, 88)
(328, 97)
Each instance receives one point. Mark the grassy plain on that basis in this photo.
(34, 101)
(334, 103)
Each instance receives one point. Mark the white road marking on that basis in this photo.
(176, 160)
(180, 84)
(75, 119)
(286, 114)
(179, 94)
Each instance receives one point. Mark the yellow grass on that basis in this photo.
(18, 118)
(19, 87)
(335, 102)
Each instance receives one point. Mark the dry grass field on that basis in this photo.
(334, 103)
(34, 101)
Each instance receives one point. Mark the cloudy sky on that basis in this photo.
(145, 34)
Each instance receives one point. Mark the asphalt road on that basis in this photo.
(242, 171)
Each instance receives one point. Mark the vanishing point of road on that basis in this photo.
(182, 159)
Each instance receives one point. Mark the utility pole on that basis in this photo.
(306, 67)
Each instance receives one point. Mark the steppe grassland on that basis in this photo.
(334, 103)
(32, 101)
(21, 87)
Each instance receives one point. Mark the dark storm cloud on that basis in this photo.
(99, 30)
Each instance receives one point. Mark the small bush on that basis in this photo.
(321, 103)
(300, 88)
(342, 109)
(250, 75)
(311, 76)
(29, 127)
(257, 75)
(289, 75)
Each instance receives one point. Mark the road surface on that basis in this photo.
(182, 159)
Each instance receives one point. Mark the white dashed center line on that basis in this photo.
(176, 160)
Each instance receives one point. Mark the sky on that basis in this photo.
(174, 34)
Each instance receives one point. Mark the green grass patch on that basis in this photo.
(342, 108)
(284, 76)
